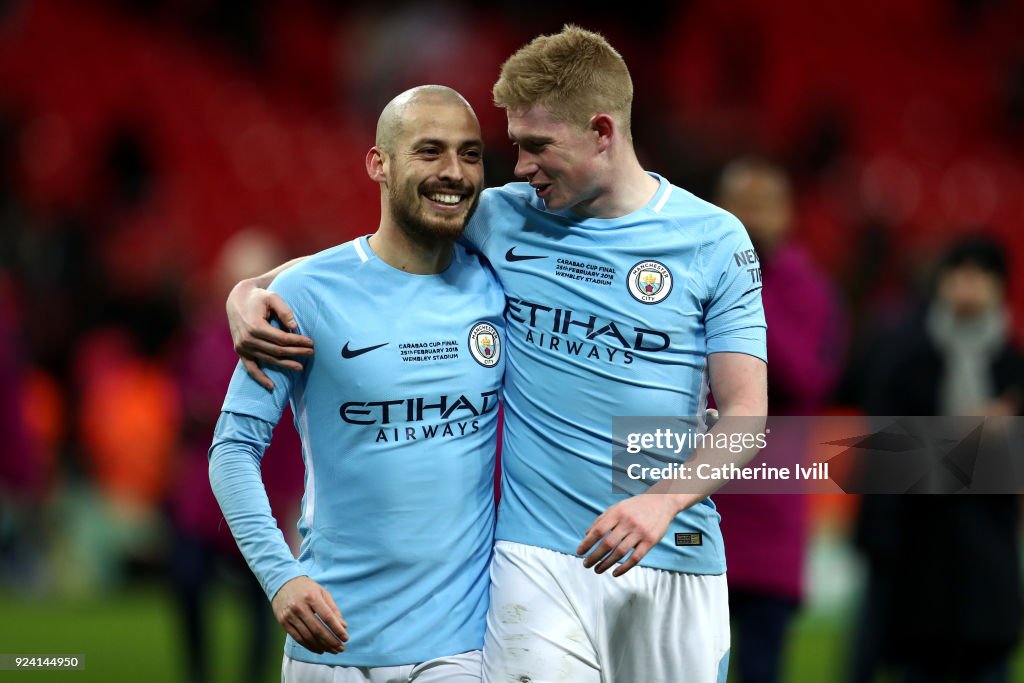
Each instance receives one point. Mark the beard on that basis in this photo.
(419, 223)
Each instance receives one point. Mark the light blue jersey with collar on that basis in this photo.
(398, 415)
(610, 317)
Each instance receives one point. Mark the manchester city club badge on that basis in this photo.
(485, 345)
(649, 282)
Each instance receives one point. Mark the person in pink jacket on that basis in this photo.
(765, 534)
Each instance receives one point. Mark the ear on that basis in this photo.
(375, 165)
(604, 126)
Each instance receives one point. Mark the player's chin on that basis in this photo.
(447, 228)
(554, 202)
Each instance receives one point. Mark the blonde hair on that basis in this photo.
(574, 74)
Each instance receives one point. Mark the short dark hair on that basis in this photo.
(977, 250)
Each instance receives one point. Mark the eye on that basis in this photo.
(472, 155)
(429, 151)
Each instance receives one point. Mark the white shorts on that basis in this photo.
(460, 668)
(550, 619)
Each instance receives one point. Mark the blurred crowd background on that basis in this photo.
(153, 152)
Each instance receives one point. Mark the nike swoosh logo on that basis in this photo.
(510, 256)
(352, 353)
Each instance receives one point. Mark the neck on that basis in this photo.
(627, 187)
(396, 248)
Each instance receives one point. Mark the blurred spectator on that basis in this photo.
(943, 598)
(127, 418)
(204, 547)
(765, 534)
(23, 472)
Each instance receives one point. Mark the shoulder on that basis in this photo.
(511, 199)
(333, 262)
(500, 209)
(697, 216)
(510, 194)
(716, 221)
(470, 261)
(318, 277)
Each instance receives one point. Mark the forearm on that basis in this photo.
(741, 425)
(739, 383)
(237, 483)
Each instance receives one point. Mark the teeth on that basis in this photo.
(445, 198)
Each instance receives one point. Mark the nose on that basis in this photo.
(526, 165)
(451, 167)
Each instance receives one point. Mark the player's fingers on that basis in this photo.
(295, 634)
(271, 349)
(617, 553)
(612, 543)
(634, 558)
(606, 546)
(251, 345)
(280, 349)
(334, 616)
(284, 313)
(301, 633)
(254, 370)
(283, 363)
(335, 638)
(281, 311)
(307, 610)
(323, 636)
(596, 554)
(595, 533)
(326, 616)
(268, 333)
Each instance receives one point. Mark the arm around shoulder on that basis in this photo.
(250, 309)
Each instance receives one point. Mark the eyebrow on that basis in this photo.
(442, 143)
(531, 139)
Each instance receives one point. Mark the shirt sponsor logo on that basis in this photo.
(417, 409)
(649, 282)
(551, 328)
(748, 257)
(412, 419)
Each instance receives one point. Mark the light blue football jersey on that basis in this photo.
(398, 415)
(610, 317)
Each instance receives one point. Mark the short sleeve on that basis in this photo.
(733, 314)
